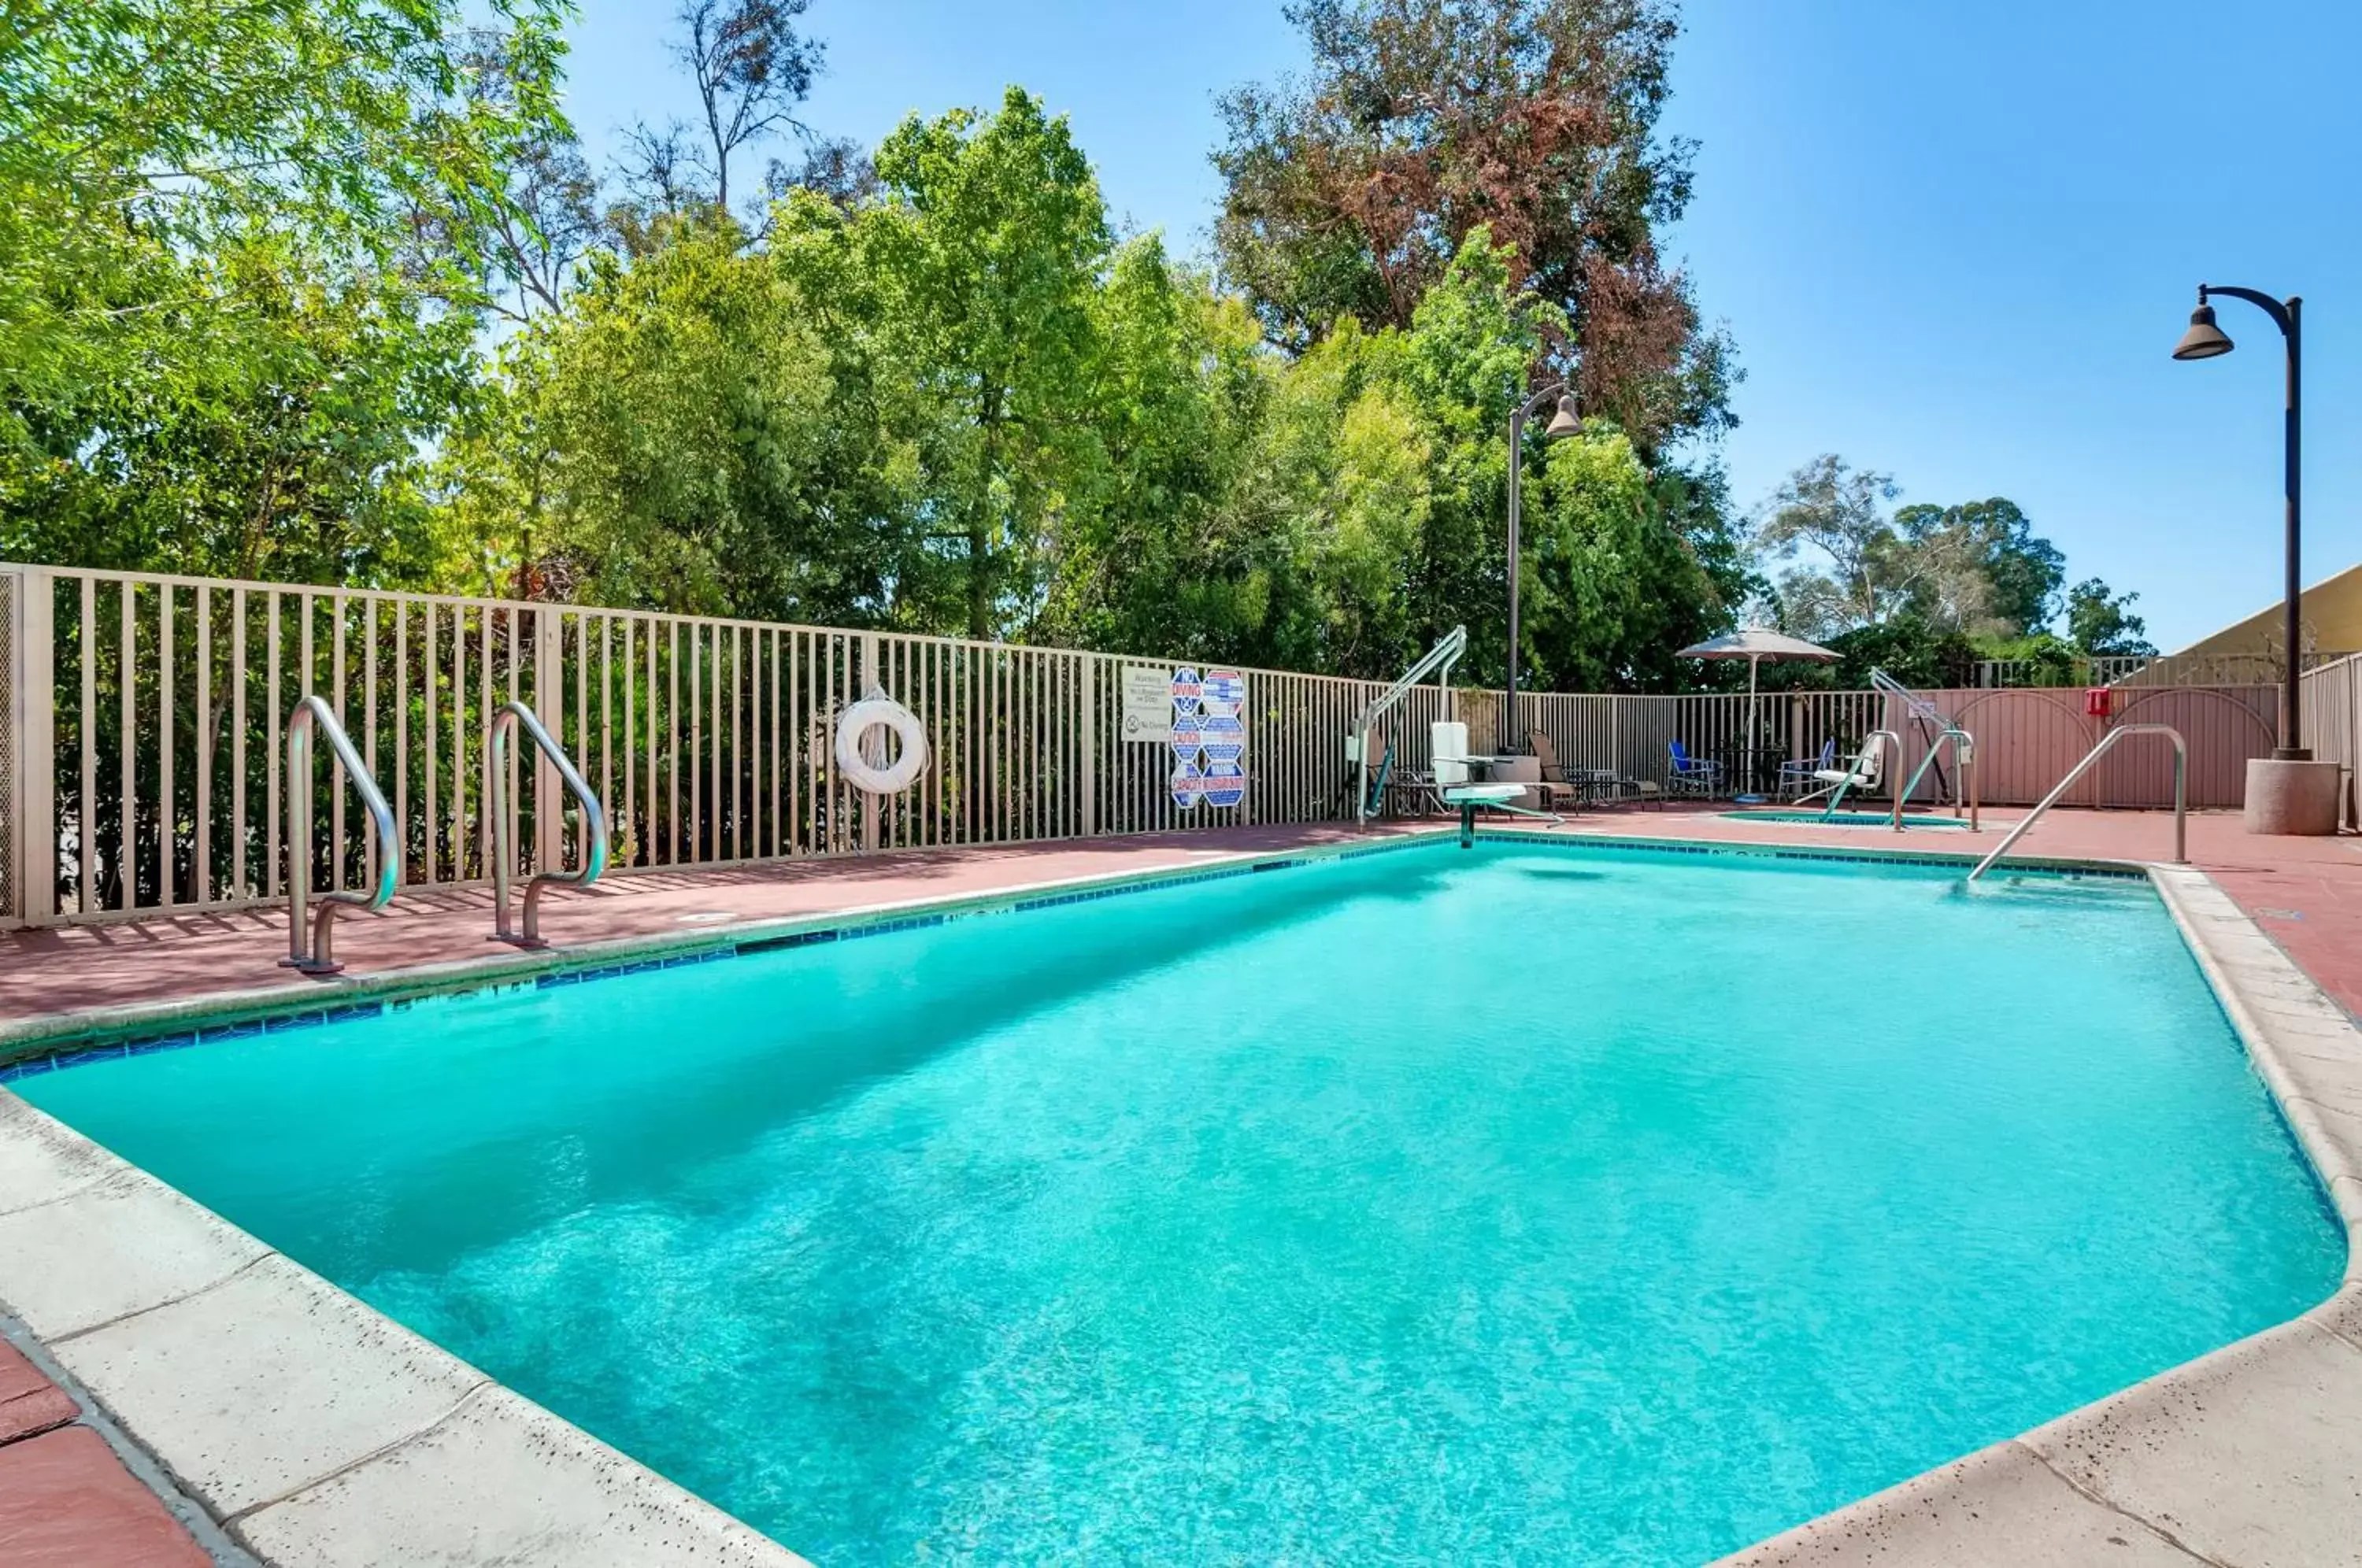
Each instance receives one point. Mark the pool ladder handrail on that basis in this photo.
(1966, 802)
(1894, 754)
(1437, 661)
(313, 713)
(2180, 792)
(512, 716)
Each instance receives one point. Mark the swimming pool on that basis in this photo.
(1540, 1203)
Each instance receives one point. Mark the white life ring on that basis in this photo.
(874, 711)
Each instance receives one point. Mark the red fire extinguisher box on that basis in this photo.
(2099, 701)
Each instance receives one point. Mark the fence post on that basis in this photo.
(1087, 773)
(31, 783)
(548, 704)
(869, 674)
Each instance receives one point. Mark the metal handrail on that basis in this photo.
(1437, 661)
(1964, 745)
(514, 715)
(1894, 754)
(313, 712)
(2180, 792)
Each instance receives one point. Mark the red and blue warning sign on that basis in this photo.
(1224, 737)
(1188, 785)
(1225, 784)
(1188, 690)
(1224, 691)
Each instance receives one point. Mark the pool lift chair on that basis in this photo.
(1436, 662)
(1450, 762)
(1861, 773)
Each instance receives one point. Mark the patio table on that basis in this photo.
(1753, 768)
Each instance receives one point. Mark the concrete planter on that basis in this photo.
(2287, 797)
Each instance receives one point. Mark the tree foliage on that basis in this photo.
(1928, 590)
(243, 246)
(324, 290)
(1349, 193)
(2101, 622)
(685, 435)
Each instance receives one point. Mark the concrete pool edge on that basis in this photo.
(2250, 1453)
(526, 1482)
(311, 1427)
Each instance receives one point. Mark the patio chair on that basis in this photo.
(1454, 786)
(1693, 775)
(1555, 786)
(1795, 777)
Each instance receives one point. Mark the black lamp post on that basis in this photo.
(1564, 423)
(2204, 340)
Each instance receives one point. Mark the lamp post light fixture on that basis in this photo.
(2204, 340)
(1564, 422)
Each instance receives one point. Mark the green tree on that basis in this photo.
(751, 69)
(2101, 622)
(1977, 568)
(1610, 591)
(1150, 557)
(973, 269)
(243, 244)
(287, 443)
(1980, 567)
(1839, 514)
(686, 436)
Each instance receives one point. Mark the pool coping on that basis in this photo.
(335, 997)
(383, 1447)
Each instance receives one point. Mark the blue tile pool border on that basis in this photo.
(400, 990)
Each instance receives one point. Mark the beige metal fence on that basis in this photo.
(2332, 695)
(150, 711)
(141, 763)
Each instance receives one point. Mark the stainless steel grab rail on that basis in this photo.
(1965, 801)
(512, 716)
(311, 714)
(2180, 792)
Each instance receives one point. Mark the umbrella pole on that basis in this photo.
(1752, 665)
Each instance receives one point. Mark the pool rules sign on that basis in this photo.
(1203, 722)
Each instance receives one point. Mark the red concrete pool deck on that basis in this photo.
(66, 1501)
(2307, 892)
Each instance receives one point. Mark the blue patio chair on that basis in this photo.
(1693, 775)
(1795, 777)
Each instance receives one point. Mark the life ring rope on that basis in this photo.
(878, 711)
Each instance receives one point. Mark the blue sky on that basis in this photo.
(1953, 242)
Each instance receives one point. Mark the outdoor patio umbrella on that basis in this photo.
(1756, 644)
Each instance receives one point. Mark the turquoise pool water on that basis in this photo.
(1542, 1205)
